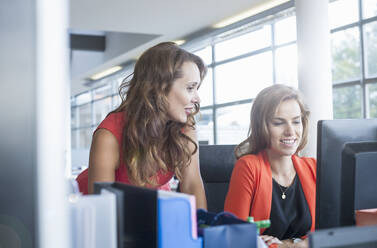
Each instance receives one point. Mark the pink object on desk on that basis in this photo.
(366, 217)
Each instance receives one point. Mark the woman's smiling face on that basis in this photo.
(285, 129)
(184, 93)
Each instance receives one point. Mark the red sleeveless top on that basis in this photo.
(115, 123)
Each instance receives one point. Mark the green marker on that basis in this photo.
(260, 224)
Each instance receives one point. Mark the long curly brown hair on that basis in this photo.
(262, 111)
(152, 142)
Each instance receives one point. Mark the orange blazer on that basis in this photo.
(250, 188)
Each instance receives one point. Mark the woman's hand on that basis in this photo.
(269, 240)
(289, 243)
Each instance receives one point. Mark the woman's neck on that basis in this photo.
(282, 168)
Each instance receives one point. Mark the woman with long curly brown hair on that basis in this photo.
(151, 136)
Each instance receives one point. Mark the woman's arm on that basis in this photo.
(192, 181)
(241, 190)
(103, 158)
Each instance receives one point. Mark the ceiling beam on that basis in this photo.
(88, 42)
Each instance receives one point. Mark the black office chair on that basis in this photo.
(216, 165)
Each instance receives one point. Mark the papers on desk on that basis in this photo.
(93, 220)
(261, 243)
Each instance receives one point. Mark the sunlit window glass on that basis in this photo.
(369, 8)
(343, 12)
(286, 65)
(73, 101)
(85, 115)
(204, 123)
(244, 78)
(345, 48)
(206, 90)
(372, 99)
(85, 137)
(123, 79)
(347, 102)
(205, 54)
(245, 43)
(101, 108)
(74, 135)
(116, 101)
(102, 91)
(233, 123)
(83, 98)
(74, 123)
(370, 48)
(117, 83)
(285, 30)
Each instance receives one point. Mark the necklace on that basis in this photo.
(283, 195)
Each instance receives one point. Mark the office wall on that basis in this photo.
(34, 123)
(18, 123)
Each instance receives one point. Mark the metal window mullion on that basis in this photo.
(370, 80)
(366, 100)
(369, 20)
(345, 84)
(341, 28)
(76, 126)
(214, 119)
(273, 53)
(242, 56)
(362, 57)
(234, 103)
(285, 44)
(92, 107)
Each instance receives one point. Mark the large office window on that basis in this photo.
(353, 25)
(243, 61)
(91, 107)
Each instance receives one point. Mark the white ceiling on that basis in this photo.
(170, 19)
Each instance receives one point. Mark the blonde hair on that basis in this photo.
(262, 111)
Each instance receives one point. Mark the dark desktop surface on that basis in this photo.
(332, 135)
(344, 237)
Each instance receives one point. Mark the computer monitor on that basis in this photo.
(358, 180)
(332, 135)
(344, 237)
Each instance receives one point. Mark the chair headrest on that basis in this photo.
(216, 162)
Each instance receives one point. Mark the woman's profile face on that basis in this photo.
(285, 129)
(184, 93)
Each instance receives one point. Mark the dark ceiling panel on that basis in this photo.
(87, 42)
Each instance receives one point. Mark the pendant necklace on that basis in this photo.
(283, 195)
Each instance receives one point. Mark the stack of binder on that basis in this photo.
(153, 218)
